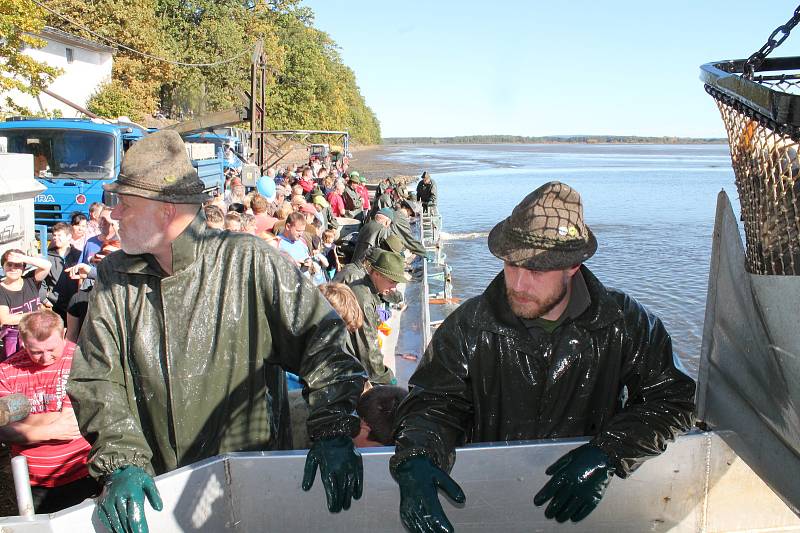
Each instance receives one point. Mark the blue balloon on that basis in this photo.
(266, 186)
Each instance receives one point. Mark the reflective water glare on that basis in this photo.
(650, 206)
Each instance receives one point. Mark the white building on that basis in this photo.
(85, 65)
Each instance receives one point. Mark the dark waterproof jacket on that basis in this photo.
(382, 201)
(371, 234)
(353, 202)
(610, 374)
(170, 370)
(401, 226)
(365, 339)
(426, 193)
(60, 287)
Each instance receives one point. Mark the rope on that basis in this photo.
(133, 50)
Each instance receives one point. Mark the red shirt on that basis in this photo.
(264, 222)
(50, 464)
(307, 186)
(364, 193)
(337, 203)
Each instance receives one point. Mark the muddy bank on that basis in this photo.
(370, 161)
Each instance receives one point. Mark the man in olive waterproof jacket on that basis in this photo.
(383, 271)
(180, 352)
(546, 351)
(372, 234)
(401, 226)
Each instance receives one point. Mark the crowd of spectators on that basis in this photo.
(319, 216)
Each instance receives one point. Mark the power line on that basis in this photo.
(144, 54)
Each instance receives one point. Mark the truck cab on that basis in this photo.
(221, 144)
(74, 158)
(318, 152)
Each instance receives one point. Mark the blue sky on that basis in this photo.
(442, 68)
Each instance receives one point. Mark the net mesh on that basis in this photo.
(767, 169)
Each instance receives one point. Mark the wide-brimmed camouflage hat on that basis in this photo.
(390, 264)
(158, 168)
(545, 231)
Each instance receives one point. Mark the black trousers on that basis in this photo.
(51, 499)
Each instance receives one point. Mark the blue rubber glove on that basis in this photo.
(384, 314)
(420, 509)
(579, 481)
(430, 256)
(121, 505)
(340, 468)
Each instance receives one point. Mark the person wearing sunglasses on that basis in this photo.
(19, 294)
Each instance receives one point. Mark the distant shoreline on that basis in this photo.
(551, 139)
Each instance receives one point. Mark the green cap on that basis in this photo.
(390, 265)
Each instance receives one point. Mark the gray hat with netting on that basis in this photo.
(545, 231)
(158, 168)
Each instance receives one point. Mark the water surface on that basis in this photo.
(650, 206)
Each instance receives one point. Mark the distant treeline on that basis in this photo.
(585, 139)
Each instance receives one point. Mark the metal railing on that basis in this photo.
(696, 485)
(429, 228)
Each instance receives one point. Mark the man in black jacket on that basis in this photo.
(546, 351)
(62, 255)
(426, 192)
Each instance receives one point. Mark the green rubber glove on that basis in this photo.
(340, 468)
(420, 509)
(579, 481)
(121, 505)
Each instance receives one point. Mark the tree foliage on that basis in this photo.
(19, 20)
(308, 85)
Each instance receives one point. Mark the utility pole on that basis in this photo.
(258, 104)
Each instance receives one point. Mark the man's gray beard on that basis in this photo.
(542, 308)
(140, 247)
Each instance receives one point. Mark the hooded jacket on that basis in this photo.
(174, 369)
(610, 374)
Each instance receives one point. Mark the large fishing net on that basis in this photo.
(767, 169)
(759, 100)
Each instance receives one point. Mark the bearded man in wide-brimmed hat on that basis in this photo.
(546, 351)
(181, 349)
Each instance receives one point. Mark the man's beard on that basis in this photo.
(535, 305)
(140, 242)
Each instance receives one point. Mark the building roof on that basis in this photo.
(61, 36)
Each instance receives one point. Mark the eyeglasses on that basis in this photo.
(9, 266)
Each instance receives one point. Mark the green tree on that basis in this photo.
(136, 79)
(209, 43)
(18, 71)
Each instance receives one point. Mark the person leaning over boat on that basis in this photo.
(181, 348)
(384, 270)
(353, 271)
(372, 234)
(401, 226)
(546, 351)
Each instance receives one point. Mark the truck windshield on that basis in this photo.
(63, 153)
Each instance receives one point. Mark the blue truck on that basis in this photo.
(221, 142)
(73, 158)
